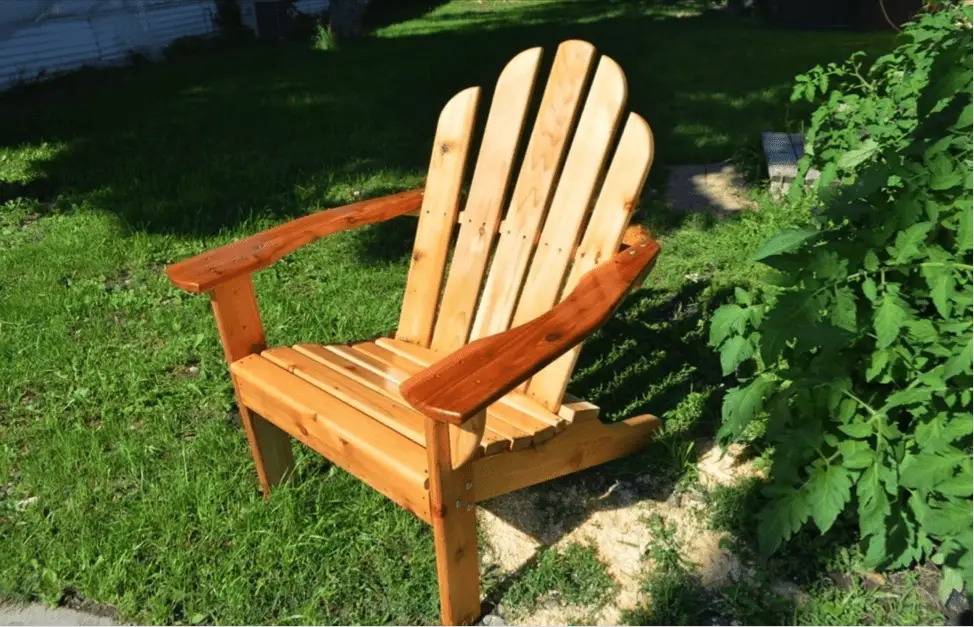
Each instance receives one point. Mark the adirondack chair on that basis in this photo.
(468, 400)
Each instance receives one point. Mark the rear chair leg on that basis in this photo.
(454, 530)
(242, 334)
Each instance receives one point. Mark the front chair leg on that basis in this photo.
(242, 334)
(454, 530)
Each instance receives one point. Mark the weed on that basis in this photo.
(573, 575)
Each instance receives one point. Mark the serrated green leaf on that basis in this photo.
(961, 485)
(784, 242)
(877, 363)
(965, 119)
(869, 289)
(907, 245)
(873, 503)
(960, 363)
(742, 296)
(856, 156)
(828, 491)
(940, 279)
(965, 229)
(924, 471)
(906, 397)
(950, 517)
(727, 319)
(870, 262)
(734, 352)
(950, 579)
(844, 308)
(742, 404)
(889, 319)
(856, 454)
(781, 519)
(857, 429)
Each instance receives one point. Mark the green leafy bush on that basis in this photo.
(855, 357)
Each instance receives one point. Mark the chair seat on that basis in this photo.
(344, 401)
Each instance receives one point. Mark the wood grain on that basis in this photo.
(572, 200)
(488, 190)
(387, 461)
(454, 520)
(478, 374)
(613, 209)
(204, 272)
(543, 159)
(241, 333)
(437, 216)
(582, 446)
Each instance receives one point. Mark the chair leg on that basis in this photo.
(454, 530)
(271, 449)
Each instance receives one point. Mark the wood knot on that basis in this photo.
(417, 255)
(444, 148)
(552, 337)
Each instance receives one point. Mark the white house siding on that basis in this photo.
(38, 37)
(43, 36)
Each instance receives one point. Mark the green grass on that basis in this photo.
(124, 476)
(573, 575)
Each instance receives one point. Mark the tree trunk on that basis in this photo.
(345, 18)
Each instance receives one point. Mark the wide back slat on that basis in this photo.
(535, 185)
(488, 191)
(613, 209)
(550, 235)
(441, 200)
(573, 198)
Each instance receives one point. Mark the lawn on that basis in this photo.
(124, 476)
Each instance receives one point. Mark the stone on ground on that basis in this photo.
(38, 614)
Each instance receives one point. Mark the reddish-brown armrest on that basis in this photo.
(208, 270)
(468, 380)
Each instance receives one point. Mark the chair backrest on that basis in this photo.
(510, 267)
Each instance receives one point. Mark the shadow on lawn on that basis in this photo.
(215, 136)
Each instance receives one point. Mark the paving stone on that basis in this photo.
(38, 614)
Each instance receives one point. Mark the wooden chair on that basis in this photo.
(467, 401)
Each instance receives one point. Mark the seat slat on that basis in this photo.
(576, 187)
(437, 216)
(501, 418)
(532, 192)
(338, 359)
(613, 209)
(488, 189)
(514, 402)
(389, 462)
(397, 416)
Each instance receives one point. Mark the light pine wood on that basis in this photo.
(387, 461)
(575, 410)
(241, 333)
(360, 369)
(517, 410)
(437, 216)
(465, 439)
(613, 210)
(582, 446)
(396, 415)
(532, 192)
(470, 379)
(239, 259)
(454, 520)
(488, 190)
(404, 360)
(583, 167)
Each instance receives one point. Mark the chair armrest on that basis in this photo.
(208, 270)
(462, 384)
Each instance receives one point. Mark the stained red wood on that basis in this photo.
(204, 272)
(478, 374)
